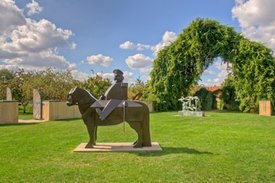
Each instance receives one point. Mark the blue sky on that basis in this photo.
(97, 36)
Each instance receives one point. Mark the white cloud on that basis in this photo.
(216, 80)
(30, 44)
(107, 75)
(128, 45)
(212, 82)
(10, 17)
(257, 20)
(73, 45)
(40, 60)
(10, 67)
(33, 8)
(138, 61)
(81, 76)
(128, 76)
(167, 39)
(216, 73)
(100, 60)
(142, 62)
(222, 65)
(141, 47)
(36, 36)
(146, 70)
(208, 72)
(224, 69)
(223, 74)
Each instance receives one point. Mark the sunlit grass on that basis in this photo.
(28, 113)
(221, 147)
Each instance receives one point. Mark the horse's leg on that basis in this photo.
(137, 127)
(95, 133)
(91, 131)
(146, 141)
(90, 124)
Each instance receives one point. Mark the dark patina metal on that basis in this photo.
(112, 108)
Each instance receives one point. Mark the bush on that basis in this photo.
(206, 98)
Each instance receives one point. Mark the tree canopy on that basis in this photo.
(178, 66)
(97, 85)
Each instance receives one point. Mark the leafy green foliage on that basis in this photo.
(138, 90)
(16, 86)
(5, 77)
(50, 84)
(179, 66)
(254, 74)
(229, 97)
(206, 98)
(97, 85)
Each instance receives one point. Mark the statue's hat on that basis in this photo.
(117, 72)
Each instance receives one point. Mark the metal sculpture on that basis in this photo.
(191, 106)
(190, 103)
(111, 109)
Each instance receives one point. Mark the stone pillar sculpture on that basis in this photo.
(8, 94)
(37, 105)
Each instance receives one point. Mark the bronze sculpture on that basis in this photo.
(117, 109)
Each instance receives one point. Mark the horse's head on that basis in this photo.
(80, 97)
(71, 97)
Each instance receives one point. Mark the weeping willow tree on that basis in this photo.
(179, 66)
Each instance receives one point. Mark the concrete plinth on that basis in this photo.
(192, 113)
(117, 147)
(53, 110)
(265, 108)
(8, 112)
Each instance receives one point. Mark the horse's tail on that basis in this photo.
(146, 126)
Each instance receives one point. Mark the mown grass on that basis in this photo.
(28, 113)
(221, 147)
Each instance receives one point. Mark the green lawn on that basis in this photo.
(221, 147)
(28, 113)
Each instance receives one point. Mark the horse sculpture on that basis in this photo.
(136, 114)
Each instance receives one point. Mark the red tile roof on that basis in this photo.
(213, 88)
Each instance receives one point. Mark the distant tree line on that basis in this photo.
(51, 85)
(54, 85)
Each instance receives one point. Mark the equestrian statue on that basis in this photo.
(112, 108)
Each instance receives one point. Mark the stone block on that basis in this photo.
(192, 113)
(53, 110)
(265, 108)
(117, 147)
(8, 112)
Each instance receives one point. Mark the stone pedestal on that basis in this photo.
(192, 113)
(52, 110)
(117, 147)
(265, 108)
(8, 112)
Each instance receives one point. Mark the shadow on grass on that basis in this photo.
(174, 150)
(227, 111)
(18, 124)
(67, 120)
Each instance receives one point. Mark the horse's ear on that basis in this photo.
(73, 90)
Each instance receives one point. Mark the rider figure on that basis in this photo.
(115, 94)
